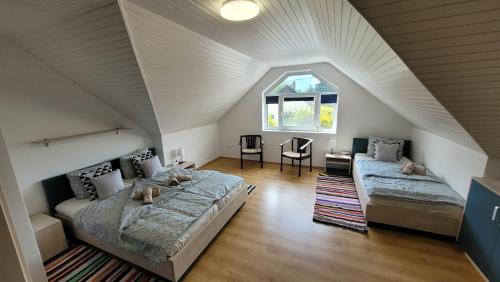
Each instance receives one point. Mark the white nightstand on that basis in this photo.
(187, 164)
(49, 234)
(338, 162)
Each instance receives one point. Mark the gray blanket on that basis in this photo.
(385, 179)
(158, 230)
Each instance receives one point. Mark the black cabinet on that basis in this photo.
(480, 230)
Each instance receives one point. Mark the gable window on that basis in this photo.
(300, 102)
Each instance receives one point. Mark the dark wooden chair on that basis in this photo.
(300, 153)
(251, 145)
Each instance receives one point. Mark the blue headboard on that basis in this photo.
(360, 145)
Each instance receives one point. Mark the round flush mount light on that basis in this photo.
(239, 10)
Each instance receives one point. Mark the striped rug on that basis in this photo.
(83, 263)
(337, 203)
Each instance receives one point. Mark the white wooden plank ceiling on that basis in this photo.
(86, 42)
(290, 32)
(453, 47)
(193, 81)
(197, 65)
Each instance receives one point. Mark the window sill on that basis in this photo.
(299, 131)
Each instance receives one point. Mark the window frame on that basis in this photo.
(317, 105)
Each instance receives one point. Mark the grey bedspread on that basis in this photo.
(386, 180)
(158, 230)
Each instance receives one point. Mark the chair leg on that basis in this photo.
(292, 162)
(310, 164)
(241, 160)
(261, 161)
(281, 163)
(300, 165)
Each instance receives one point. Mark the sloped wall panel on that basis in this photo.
(453, 47)
(193, 80)
(93, 50)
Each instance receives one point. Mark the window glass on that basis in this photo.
(272, 115)
(298, 112)
(305, 83)
(301, 102)
(327, 111)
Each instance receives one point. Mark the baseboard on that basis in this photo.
(476, 267)
(304, 164)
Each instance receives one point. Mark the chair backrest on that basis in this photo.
(251, 141)
(300, 142)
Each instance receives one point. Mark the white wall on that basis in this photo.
(37, 103)
(17, 218)
(201, 144)
(454, 162)
(360, 115)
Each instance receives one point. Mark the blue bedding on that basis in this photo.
(384, 179)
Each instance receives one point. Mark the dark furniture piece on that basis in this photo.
(300, 152)
(360, 145)
(251, 145)
(480, 229)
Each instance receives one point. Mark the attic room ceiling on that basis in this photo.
(196, 65)
(87, 43)
(453, 47)
(288, 32)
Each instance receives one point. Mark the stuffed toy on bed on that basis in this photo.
(147, 194)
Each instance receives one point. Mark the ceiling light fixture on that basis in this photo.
(239, 10)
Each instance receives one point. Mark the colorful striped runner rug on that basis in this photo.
(84, 263)
(337, 203)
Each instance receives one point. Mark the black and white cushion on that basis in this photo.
(86, 178)
(136, 162)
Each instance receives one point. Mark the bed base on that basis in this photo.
(405, 217)
(174, 267)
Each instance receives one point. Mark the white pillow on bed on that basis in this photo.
(108, 184)
(151, 167)
(372, 140)
(386, 152)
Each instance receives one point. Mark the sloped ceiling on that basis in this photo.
(86, 42)
(453, 47)
(197, 65)
(193, 81)
(290, 32)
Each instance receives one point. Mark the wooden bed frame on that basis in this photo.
(57, 190)
(401, 216)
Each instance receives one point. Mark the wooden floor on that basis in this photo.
(273, 238)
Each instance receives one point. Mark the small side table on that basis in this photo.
(338, 162)
(187, 165)
(49, 234)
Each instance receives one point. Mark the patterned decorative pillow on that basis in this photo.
(373, 140)
(74, 179)
(126, 165)
(86, 180)
(136, 162)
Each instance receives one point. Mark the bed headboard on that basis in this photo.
(57, 189)
(360, 145)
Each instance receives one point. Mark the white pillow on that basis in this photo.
(386, 152)
(372, 140)
(151, 167)
(108, 184)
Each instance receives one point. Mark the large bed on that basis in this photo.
(77, 215)
(435, 216)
